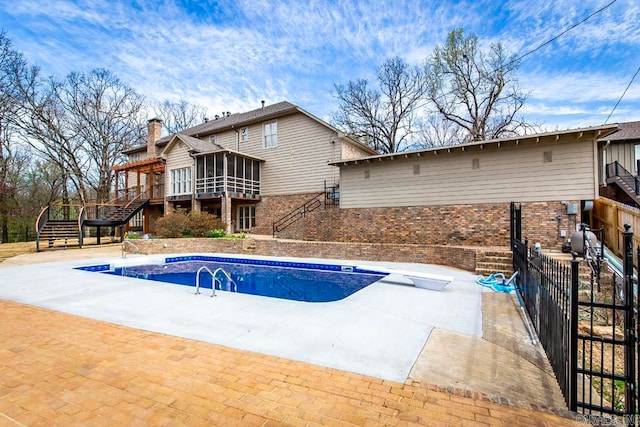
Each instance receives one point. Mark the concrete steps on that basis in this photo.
(494, 262)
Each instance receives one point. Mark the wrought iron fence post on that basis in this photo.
(629, 326)
(573, 334)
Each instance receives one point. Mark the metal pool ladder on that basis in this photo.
(215, 279)
(128, 242)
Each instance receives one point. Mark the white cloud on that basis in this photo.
(578, 87)
(240, 53)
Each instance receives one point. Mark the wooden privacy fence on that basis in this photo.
(611, 217)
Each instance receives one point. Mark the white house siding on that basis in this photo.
(176, 158)
(299, 164)
(507, 173)
(623, 153)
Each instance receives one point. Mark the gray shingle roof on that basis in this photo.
(199, 147)
(626, 131)
(235, 120)
(198, 144)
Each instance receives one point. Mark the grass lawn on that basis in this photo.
(8, 250)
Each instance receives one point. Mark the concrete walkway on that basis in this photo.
(61, 369)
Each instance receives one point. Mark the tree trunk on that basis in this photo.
(5, 228)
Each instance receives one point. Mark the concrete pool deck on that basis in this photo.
(376, 318)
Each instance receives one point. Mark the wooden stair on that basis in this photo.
(623, 179)
(125, 213)
(495, 261)
(59, 233)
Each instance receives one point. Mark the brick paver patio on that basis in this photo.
(60, 369)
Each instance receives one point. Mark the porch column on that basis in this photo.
(126, 185)
(225, 202)
(226, 213)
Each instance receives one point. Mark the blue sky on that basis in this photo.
(228, 56)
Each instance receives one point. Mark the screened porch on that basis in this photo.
(227, 173)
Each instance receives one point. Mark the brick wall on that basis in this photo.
(272, 208)
(458, 225)
(454, 256)
(543, 222)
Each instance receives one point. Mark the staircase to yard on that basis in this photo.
(62, 225)
(60, 233)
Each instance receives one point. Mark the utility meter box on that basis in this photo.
(572, 208)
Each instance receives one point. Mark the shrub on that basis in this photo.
(215, 233)
(172, 225)
(199, 224)
(196, 224)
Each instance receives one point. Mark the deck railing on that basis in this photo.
(216, 185)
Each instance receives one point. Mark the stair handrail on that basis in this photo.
(40, 222)
(81, 217)
(616, 169)
(112, 203)
(124, 208)
(297, 213)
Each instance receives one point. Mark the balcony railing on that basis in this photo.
(215, 185)
(154, 192)
(241, 185)
(212, 184)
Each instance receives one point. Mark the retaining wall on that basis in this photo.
(454, 256)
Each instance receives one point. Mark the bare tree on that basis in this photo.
(80, 124)
(46, 127)
(473, 88)
(178, 116)
(435, 132)
(105, 116)
(382, 117)
(12, 158)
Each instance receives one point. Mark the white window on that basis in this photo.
(270, 134)
(181, 181)
(246, 217)
(244, 134)
(212, 139)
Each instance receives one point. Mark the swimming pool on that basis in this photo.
(309, 282)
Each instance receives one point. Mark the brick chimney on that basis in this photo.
(154, 132)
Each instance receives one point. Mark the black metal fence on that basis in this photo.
(586, 319)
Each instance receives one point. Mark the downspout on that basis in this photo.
(604, 163)
(237, 138)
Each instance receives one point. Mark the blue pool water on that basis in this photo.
(309, 282)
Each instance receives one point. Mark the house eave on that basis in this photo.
(589, 133)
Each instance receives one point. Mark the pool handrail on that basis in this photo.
(215, 279)
(220, 269)
(124, 243)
